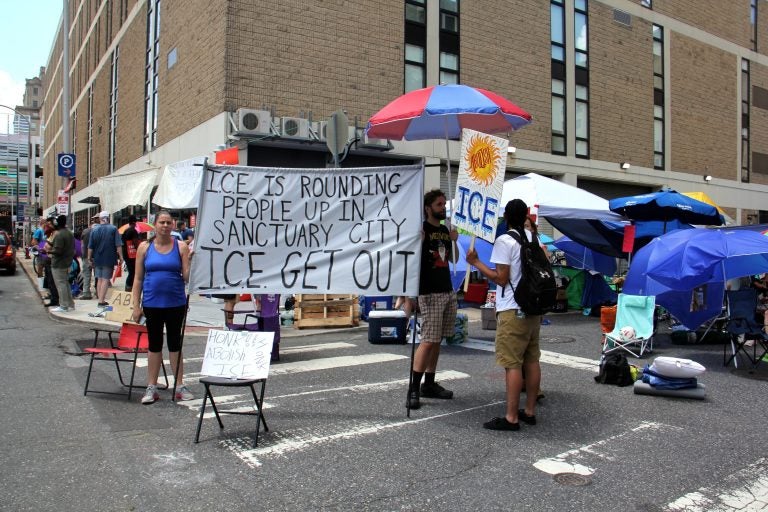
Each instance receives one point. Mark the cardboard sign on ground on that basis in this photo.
(121, 303)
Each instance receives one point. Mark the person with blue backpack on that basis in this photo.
(526, 290)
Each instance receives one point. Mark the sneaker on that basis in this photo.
(435, 390)
(183, 393)
(150, 395)
(85, 297)
(59, 309)
(103, 304)
(413, 400)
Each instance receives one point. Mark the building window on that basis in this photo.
(151, 78)
(449, 15)
(658, 97)
(753, 22)
(89, 134)
(34, 103)
(34, 91)
(113, 111)
(449, 68)
(647, 3)
(415, 70)
(557, 39)
(557, 30)
(745, 102)
(558, 117)
(581, 63)
(416, 11)
(449, 41)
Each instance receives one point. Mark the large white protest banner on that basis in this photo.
(480, 183)
(237, 354)
(279, 230)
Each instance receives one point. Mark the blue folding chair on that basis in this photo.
(743, 327)
(636, 311)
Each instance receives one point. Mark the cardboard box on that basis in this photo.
(387, 326)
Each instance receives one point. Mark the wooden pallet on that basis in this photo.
(326, 310)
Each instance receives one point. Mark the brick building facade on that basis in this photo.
(195, 63)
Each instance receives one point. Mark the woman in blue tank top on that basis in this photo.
(162, 269)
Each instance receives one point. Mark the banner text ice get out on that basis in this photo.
(284, 230)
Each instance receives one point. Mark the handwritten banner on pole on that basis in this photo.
(237, 354)
(480, 183)
(278, 230)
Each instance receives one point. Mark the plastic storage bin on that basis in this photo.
(387, 327)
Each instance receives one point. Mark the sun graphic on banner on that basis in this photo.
(482, 158)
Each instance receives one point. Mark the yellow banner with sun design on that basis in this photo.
(480, 183)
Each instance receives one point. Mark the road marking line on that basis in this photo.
(555, 358)
(560, 463)
(250, 456)
(325, 363)
(747, 489)
(390, 385)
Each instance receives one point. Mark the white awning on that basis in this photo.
(180, 184)
(121, 190)
(86, 198)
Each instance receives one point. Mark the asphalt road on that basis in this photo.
(339, 437)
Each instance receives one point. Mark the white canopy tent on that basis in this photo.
(557, 200)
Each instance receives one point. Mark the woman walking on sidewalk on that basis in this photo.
(162, 269)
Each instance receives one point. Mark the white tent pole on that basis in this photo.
(454, 252)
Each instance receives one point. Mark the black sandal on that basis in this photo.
(501, 424)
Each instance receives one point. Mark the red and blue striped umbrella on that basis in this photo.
(442, 111)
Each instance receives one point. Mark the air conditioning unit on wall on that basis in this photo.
(368, 142)
(294, 128)
(321, 130)
(253, 122)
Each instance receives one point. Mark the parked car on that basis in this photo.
(7, 253)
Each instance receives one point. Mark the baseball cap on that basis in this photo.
(101, 214)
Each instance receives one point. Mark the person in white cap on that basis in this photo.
(104, 247)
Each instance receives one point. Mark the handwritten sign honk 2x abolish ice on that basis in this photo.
(278, 230)
(237, 354)
(480, 183)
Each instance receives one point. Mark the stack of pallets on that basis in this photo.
(326, 310)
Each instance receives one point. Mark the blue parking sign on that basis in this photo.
(66, 165)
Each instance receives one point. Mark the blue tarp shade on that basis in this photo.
(666, 205)
(686, 270)
(579, 256)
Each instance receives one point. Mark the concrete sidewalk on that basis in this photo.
(204, 313)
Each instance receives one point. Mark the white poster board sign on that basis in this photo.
(278, 230)
(480, 183)
(237, 354)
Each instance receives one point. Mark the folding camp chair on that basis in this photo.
(636, 311)
(133, 340)
(743, 327)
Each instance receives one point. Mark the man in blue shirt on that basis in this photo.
(104, 247)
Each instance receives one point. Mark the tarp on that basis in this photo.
(92, 190)
(122, 190)
(281, 230)
(179, 186)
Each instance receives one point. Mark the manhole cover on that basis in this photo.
(572, 479)
(557, 339)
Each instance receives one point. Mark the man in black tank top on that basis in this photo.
(437, 300)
